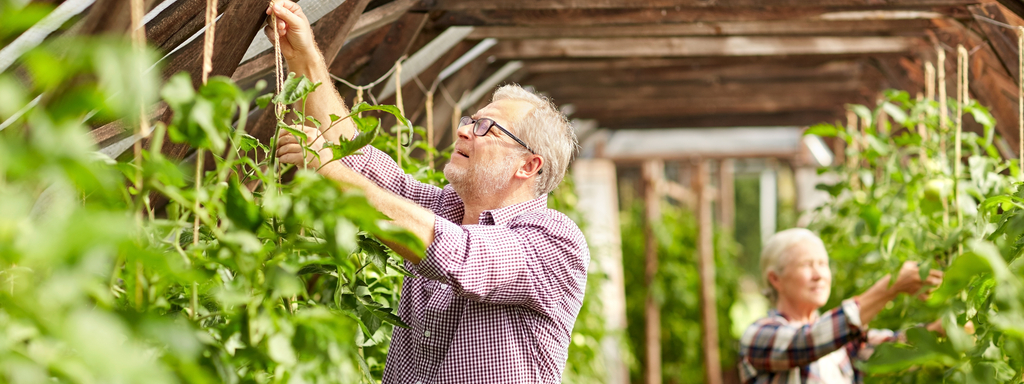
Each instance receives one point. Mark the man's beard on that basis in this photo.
(474, 182)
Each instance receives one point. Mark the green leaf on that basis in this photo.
(823, 130)
(279, 348)
(295, 89)
(239, 206)
(248, 143)
(178, 91)
(316, 268)
(923, 349)
(374, 251)
(297, 132)
(896, 113)
(863, 113)
(264, 101)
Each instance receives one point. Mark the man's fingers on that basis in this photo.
(287, 12)
(292, 158)
(286, 138)
(290, 148)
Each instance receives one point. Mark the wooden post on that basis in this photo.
(706, 265)
(654, 172)
(599, 203)
(727, 194)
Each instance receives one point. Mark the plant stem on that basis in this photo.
(199, 184)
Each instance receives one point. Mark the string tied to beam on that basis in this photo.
(360, 89)
(962, 98)
(1020, 100)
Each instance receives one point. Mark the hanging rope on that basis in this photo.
(209, 38)
(278, 60)
(962, 98)
(208, 41)
(139, 44)
(1020, 98)
(943, 110)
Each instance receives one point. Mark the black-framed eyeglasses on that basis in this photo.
(482, 126)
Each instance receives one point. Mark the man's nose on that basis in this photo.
(465, 132)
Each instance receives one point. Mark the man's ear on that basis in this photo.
(531, 167)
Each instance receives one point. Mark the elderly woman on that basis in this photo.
(794, 344)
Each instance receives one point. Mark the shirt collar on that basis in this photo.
(504, 215)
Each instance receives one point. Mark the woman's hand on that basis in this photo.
(909, 280)
(297, 43)
(290, 149)
(937, 327)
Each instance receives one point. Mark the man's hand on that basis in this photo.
(297, 43)
(909, 280)
(290, 151)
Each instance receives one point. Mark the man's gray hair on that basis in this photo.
(547, 131)
(777, 248)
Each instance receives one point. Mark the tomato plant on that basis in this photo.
(899, 198)
(285, 282)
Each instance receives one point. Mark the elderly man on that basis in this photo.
(496, 295)
(796, 345)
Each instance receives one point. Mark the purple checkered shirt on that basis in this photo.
(491, 303)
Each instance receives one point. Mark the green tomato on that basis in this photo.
(938, 188)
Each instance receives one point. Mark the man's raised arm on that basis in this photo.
(304, 58)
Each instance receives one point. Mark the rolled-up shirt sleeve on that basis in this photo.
(535, 265)
(380, 168)
(772, 346)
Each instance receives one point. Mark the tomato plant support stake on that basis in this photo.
(961, 100)
(943, 110)
(401, 108)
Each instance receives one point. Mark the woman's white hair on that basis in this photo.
(547, 131)
(774, 255)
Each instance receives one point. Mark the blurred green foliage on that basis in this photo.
(897, 200)
(677, 291)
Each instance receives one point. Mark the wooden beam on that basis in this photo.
(653, 174)
(569, 93)
(728, 28)
(332, 30)
(700, 46)
(990, 83)
(178, 22)
(900, 75)
(727, 195)
(1002, 40)
(461, 5)
(702, 104)
(669, 15)
(382, 16)
(779, 119)
(396, 44)
(357, 53)
(427, 56)
(106, 16)
(621, 72)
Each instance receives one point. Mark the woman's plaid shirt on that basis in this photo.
(491, 303)
(774, 351)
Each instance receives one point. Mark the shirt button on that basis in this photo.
(426, 334)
